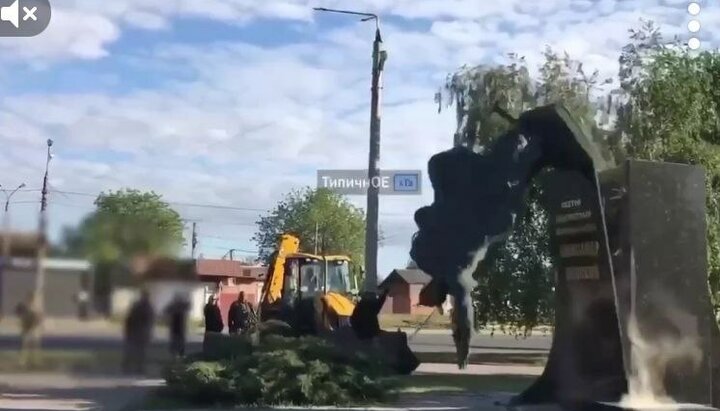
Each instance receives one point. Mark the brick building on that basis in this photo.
(405, 286)
(227, 278)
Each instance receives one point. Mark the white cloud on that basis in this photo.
(247, 123)
(71, 34)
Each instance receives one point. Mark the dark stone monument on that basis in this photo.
(631, 295)
(632, 305)
(656, 212)
(585, 360)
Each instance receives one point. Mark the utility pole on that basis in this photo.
(42, 250)
(194, 240)
(317, 226)
(371, 230)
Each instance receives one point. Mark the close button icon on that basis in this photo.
(35, 17)
(30, 13)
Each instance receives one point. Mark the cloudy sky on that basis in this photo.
(232, 103)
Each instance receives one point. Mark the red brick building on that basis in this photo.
(228, 278)
(405, 286)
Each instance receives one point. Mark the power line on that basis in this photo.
(220, 207)
(200, 205)
(215, 237)
(236, 249)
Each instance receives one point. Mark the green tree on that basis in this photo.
(515, 282)
(125, 224)
(671, 112)
(339, 225)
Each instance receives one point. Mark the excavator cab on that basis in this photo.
(309, 292)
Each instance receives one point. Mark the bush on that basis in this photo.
(281, 371)
(217, 346)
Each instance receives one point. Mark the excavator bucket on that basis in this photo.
(367, 336)
(390, 347)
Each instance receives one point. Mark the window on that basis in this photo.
(338, 276)
(292, 272)
(310, 276)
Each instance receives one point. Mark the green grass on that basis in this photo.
(76, 361)
(442, 322)
(394, 321)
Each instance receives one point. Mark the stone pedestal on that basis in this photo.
(630, 249)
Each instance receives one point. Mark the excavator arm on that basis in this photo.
(274, 282)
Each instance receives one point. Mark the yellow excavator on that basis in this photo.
(314, 295)
(311, 293)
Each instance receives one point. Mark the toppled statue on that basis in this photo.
(477, 198)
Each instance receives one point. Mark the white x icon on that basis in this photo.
(29, 13)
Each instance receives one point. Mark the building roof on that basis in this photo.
(22, 244)
(408, 275)
(319, 257)
(229, 268)
(61, 264)
(169, 269)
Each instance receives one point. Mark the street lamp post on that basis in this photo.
(7, 238)
(371, 231)
(42, 251)
(6, 221)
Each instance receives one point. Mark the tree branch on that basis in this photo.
(504, 114)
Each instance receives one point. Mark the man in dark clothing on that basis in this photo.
(30, 322)
(83, 301)
(138, 333)
(176, 313)
(213, 316)
(238, 314)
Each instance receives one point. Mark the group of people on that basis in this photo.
(139, 325)
(240, 315)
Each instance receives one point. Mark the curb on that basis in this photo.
(483, 332)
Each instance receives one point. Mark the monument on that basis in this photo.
(633, 314)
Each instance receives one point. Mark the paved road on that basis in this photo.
(481, 343)
(56, 392)
(426, 343)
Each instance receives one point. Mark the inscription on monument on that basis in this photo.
(568, 218)
(577, 242)
(582, 273)
(564, 231)
(584, 249)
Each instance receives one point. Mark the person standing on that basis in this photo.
(138, 333)
(176, 313)
(213, 316)
(238, 314)
(30, 322)
(83, 301)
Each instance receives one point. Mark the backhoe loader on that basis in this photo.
(312, 294)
